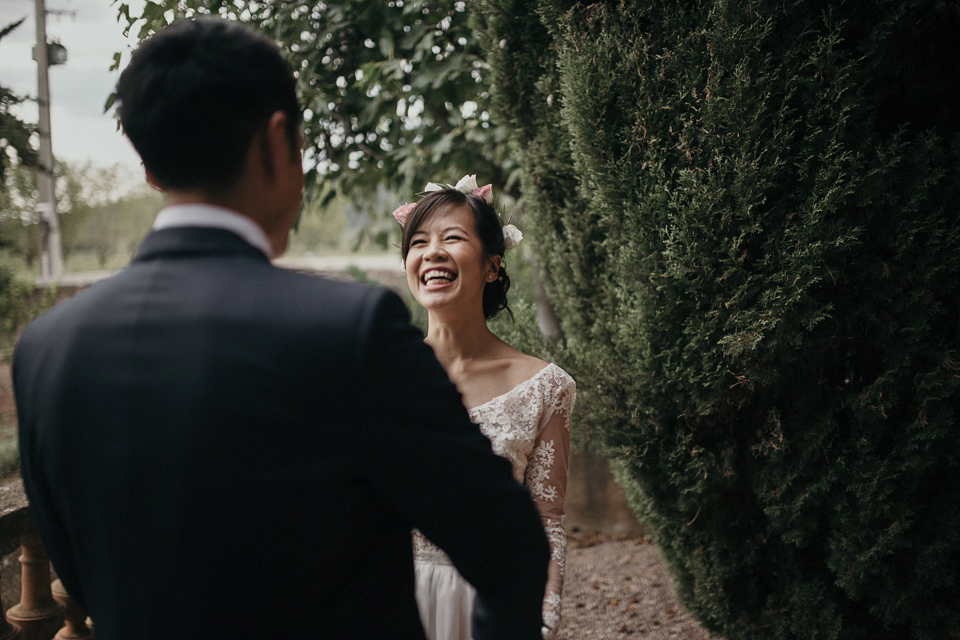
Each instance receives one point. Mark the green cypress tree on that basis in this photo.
(747, 215)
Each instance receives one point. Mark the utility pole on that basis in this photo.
(51, 252)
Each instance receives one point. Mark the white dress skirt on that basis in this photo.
(445, 601)
(529, 426)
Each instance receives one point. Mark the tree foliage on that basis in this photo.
(746, 214)
(100, 212)
(14, 133)
(394, 92)
(19, 225)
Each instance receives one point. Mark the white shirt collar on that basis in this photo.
(205, 215)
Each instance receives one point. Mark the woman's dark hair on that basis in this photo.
(194, 97)
(489, 230)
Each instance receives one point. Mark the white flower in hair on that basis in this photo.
(467, 184)
(511, 236)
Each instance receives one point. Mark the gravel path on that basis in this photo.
(619, 588)
(615, 588)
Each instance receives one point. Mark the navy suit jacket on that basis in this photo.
(215, 447)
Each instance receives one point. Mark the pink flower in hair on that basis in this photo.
(402, 212)
(485, 192)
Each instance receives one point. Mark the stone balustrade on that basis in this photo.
(45, 611)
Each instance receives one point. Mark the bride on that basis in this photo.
(453, 245)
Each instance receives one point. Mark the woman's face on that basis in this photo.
(446, 266)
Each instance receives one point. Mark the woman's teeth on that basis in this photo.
(438, 277)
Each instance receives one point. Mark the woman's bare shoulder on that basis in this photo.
(521, 366)
(503, 369)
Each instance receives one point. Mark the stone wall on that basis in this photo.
(595, 503)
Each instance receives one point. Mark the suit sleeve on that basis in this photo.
(50, 526)
(440, 472)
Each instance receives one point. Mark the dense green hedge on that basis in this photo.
(747, 215)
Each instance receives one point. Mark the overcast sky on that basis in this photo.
(78, 89)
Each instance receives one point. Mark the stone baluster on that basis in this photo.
(38, 615)
(75, 619)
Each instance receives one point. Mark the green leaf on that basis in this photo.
(386, 45)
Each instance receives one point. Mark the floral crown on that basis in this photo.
(467, 184)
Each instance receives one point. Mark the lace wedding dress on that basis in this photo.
(529, 426)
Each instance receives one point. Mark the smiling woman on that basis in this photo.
(448, 217)
(453, 246)
(446, 260)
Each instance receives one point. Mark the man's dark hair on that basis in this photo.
(194, 97)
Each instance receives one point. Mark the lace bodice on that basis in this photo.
(530, 426)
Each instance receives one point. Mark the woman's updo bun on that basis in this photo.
(495, 294)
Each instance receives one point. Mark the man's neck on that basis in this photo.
(231, 202)
(175, 197)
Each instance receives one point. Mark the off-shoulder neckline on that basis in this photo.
(514, 388)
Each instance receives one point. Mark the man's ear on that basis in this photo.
(280, 147)
(151, 179)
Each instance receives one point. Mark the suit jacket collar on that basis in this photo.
(197, 214)
(195, 241)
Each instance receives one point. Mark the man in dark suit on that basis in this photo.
(214, 447)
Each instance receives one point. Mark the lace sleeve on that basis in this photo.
(546, 478)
